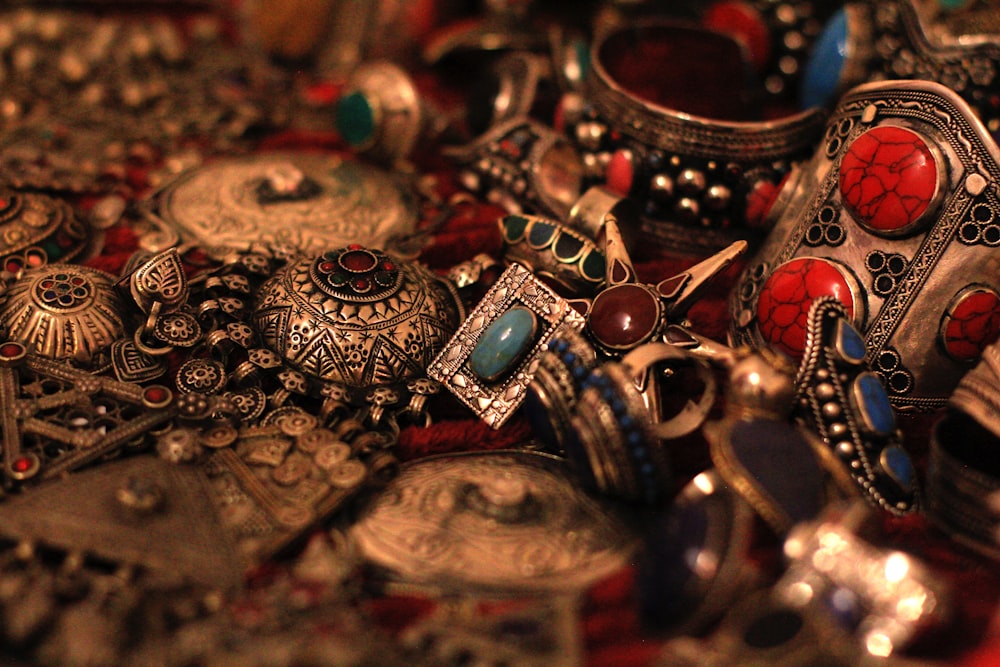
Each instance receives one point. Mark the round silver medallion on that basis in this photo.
(498, 520)
(307, 201)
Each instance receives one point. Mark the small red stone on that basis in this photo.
(358, 261)
(624, 316)
(888, 178)
(327, 267)
(620, 172)
(361, 285)
(156, 394)
(971, 324)
(388, 266)
(786, 296)
(22, 465)
(13, 265)
(11, 350)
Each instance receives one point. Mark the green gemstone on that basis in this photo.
(593, 267)
(504, 344)
(567, 247)
(541, 234)
(513, 228)
(355, 119)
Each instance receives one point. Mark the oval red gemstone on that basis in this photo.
(11, 350)
(624, 316)
(361, 285)
(156, 394)
(620, 172)
(888, 178)
(358, 261)
(786, 296)
(388, 266)
(971, 323)
(22, 464)
(327, 267)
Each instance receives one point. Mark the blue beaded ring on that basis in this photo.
(846, 404)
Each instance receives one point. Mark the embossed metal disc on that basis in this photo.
(63, 311)
(308, 201)
(495, 520)
(356, 317)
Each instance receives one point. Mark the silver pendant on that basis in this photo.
(306, 201)
(494, 521)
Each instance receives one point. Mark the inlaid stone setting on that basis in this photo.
(888, 180)
(786, 296)
(971, 323)
(504, 344)
(624, 316)
(873, 404)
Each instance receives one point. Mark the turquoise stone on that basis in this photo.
(503, 344)
(355, 119)
(896, 462)
(822, 74)
(952, 5)
(849, 344)
(873, 403)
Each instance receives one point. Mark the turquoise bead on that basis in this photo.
(822, 74)
(503, 344)
(896, 462)
(873, 403)
(849, 344)
(355, 119)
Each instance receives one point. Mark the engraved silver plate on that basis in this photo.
(501, 520)
(311, 202)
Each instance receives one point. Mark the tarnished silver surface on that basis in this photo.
(504, 521)
(496, 400)
(357, 317)
(312, 202)
(905, 285)
(65, 312)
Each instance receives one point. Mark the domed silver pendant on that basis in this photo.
(356, 317)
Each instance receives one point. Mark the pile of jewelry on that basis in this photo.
(515, 334)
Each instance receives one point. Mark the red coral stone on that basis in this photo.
(358, 261)
(746, 25)
(156, 394)
(786, 296)
(971, 323)
(888, 177)
(624, 316)
(620, 172)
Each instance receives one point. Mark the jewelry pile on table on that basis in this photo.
(613, 333)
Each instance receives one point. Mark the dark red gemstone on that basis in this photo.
(355, 246)
(358, 261)
(786, 296)
(624, 316)
(327, 267)
(620, 172)
(156, 394)
(670, 288)
(388, 266)
(46, 284)
(971, 323)
(888, 177)
(11, 350)
(13, 265)
(361, 285)
(22, 465)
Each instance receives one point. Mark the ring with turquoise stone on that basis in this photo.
(840, 399)
(562, 257)
(492, 358)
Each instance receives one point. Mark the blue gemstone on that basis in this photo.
(504, 344)
(822, 74)
(873, 403)
(849, 343)
(896, 462)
